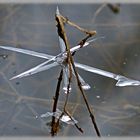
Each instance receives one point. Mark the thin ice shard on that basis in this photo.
(29, 52)
(76, 48)
(43, 55)
(121, 80)
(66, 79)
(65, 118)
(84, 85)
(58, 58)
(124, 81)
(62, 45)
(38, 68)
(34, 71)
(57, 11)
(61, 41)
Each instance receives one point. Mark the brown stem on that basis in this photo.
(53, 124)
(66, 20)
(79, 128)
(65, 105)
(61, 31)
(86, 102)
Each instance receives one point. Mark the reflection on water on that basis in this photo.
(32, 27)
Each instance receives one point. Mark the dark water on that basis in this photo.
(117, 109)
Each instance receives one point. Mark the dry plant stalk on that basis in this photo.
(54, 125)
(60, 21)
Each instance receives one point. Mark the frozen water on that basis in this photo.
(65, 118)
(123, 81)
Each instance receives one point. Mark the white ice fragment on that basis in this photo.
(66, 90)
(66, 79)
(123, 81)
(28, 52)
(65, 118)
(60, 58)
(35, 70)
(62, 45)
(86, 87)
(95, 70)
(46, 115)
(57, 11)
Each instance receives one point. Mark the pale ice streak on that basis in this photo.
(57, 60)
(121, 80)
(65, 118)
(29, 52)
(35, 70)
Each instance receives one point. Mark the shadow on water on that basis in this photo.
(32, 27)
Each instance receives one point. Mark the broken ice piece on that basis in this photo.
(66, 90)
(121, 80)
(124, 81)
(65, 118)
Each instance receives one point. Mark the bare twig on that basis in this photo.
(61, 31)
(65, 109)
(86, 102)
(79, 128)
(53, 123)
(62, 34)
(66, 20)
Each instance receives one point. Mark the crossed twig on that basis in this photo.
(65, 60)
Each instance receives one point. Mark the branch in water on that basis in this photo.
(61, 31)
(55, 125)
